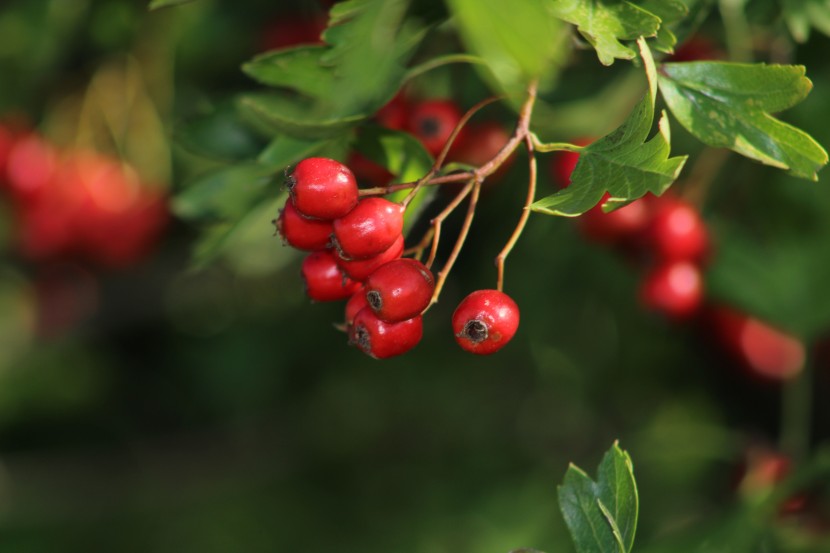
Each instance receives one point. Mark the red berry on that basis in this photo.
(291, 30)
(324, 281)
(380, 339)
(696, 48)
(432, 122)
(322, 188)
(622, 224)
(367, 172)
(393, 114)
(485, 321)
(764, 350)
(674, 289)
(301, 232)
(354, 305)
(360, 269)
(30, 165)
(399, 289)
(677, 231)
(369, 229)
(479, 143)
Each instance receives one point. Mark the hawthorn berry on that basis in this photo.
(322, 188)
(381, 339)
(369, 229)
(764, 350)
(432, 122)
(674, 288)
(485, 321)
(399, 290)
(354, 305)
(481, 142)
(393, 115)
(360, 269)
(622, 224)
(324, 281)
(677, 231)
(301, 232)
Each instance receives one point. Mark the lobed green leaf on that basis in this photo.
(601, 515)
(621, 163)
(297, 68)
(606, 23)
(728, 105)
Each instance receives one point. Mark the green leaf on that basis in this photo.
(520, 41)
(801, 15)
(156, 4)
(621, 163)
(226, 194)
(371, 42)
(605, 23)
(220, 135)
(671, 13)
(601, 515)
(296, 117)
(728, 105)
(285, 150)
(298, 68)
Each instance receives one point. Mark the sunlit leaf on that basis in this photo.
(730, 105)
(624, 163)
(605, 24)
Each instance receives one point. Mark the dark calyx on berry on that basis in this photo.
(475, 331)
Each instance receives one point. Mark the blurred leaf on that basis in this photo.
(601, 515)
(621, 163)
(728, 105)
(670, 12)
(220, 135)
(783, 281)
(226, 194)
(296, 68)
(604, 24)
(371, 42)
(295, 117)
(285, 150)
(519, 41)
(156, 4)
(801, 15)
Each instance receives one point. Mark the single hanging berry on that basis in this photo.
(485, 321)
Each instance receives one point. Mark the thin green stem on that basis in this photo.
(435, 63)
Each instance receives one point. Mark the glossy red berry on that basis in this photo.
(485, 321)
(324, 281)
(360, 269)
(674, 289)
(322, 188)
(354, 305)
(399, 289)
(432, 122)
(677, 231)
(381, 339)
(301, 232)
(625, 223)
(369, 229)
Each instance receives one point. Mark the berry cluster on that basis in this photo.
(356, 247)
(670, 234)
(77, 203)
